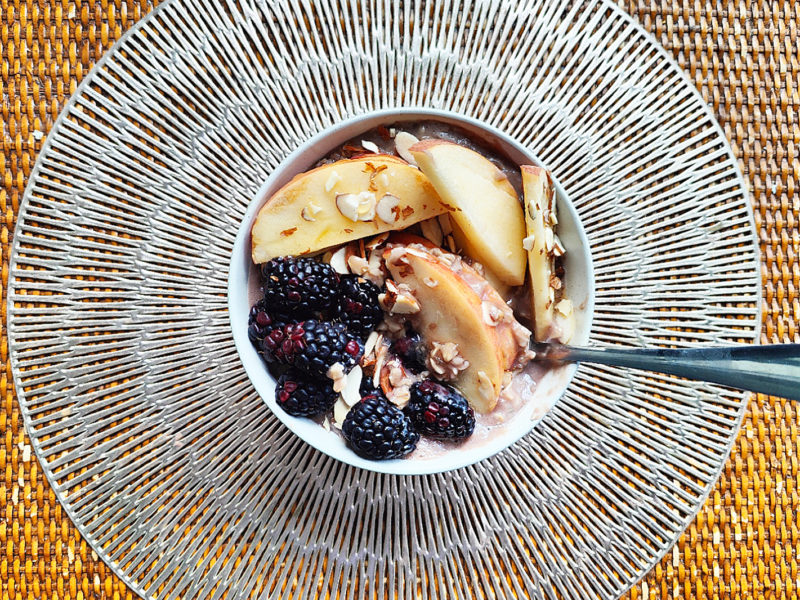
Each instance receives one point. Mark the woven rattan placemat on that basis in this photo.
(743, 58)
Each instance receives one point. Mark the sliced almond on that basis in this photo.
(430, 282)
(351, 392)
(339, 262)
(340, 410)
(371, 146)
(377, 242)
(307, 215)
(445, 224)
(432, 231)
(357, 265)
(372, 342)
(549, 239)
(402, 142)
(387, 208)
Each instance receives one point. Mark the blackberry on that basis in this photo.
(313, 347)
(299, 287)
(260, 322)
(357, 305)
(439, 411)
(377, 430)
(411, 351)
(368, 389)
(301, 396)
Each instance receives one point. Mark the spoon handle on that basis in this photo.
(772, 369)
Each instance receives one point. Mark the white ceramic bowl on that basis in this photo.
(243, 279)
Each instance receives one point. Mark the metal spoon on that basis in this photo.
(772, 370)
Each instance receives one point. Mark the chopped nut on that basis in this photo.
(348, 205)
(550, 216)
(392, 132)
(381, 352)
(394, 326)
(357, 207)
(527, 243)
(445, 360)
(432, 231)
(399, 396)
(398, 299)
(396, 375)
(432, 283)
(335, 371)
(555, 282)
(564, 307)
(558, 247)
(326, 424)
(306, 214)
(371, 146)
(333, 179)
(451, 243)
(491, 314)
(339, 377)
(402, 142)
(522, 335)
(485, 386)
(387, 208)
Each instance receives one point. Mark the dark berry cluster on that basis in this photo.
(302, 396)
(313, 347)
(310, 319)
(298, 286)
(288, 327)
(378, 430)
(357, 306)
(439, 411)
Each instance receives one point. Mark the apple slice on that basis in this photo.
(465, 246)
(482, 202)
(451, 309)
(542, 245)
(340, 202)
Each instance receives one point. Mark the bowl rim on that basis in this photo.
(280, 176)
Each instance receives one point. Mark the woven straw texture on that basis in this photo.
(742, 58)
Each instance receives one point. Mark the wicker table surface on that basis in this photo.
(743, 58)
